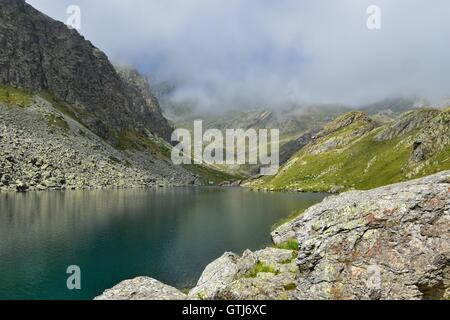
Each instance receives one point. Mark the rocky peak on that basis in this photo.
(41, 54)
(132, 77)
(346, 120)
(433, 137)
(408, 122)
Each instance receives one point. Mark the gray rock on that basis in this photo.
(215, 277)
(387, 243)
(284, 232)
(6, 179)
(39, 53)
(21, 186)
(142, 288)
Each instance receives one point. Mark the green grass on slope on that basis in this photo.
(440, 161)
(208, 174)
(15, 97)
(60, 106)
(364, 165)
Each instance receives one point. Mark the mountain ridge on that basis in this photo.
(356, 152)
(41, 54)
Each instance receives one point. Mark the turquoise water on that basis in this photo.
(167, 234)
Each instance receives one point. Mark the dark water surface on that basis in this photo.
(167, 234)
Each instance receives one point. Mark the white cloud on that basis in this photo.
(226, 52)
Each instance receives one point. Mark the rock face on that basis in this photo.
(142, 288)
(268, 274)
(39, 53)
(387, 243)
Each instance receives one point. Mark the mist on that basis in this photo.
(228, 53)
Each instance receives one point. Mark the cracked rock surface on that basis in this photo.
(388, 243)
(142, 288)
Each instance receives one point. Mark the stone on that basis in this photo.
(39, 53)
(388, 243)
(21, 186)
(6, 179)
(216, 275)
(142, 288)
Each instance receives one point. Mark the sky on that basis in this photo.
(228, 53)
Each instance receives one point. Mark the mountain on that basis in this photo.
(41, 54)
(356, 152)
(70, 120)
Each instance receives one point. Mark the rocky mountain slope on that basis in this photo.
(356, 152)
(388, 243)
(45, 147)
(41, 54)
(70, 120)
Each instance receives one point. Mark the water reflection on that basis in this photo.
(169, 234)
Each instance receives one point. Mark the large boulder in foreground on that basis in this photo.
(388, 243)
(268, 274)
(142, 288)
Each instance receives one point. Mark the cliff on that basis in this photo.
(40, 54)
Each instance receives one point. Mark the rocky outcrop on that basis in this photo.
(41, 54)
(388, 243)
(290, 148)
(350, 127)
(432, 138)
(285, 232)
(408, 122)
(268, 274)
(142, 288)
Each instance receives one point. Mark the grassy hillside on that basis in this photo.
(354, 152)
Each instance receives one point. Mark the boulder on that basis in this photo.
(142, 288)
(216, 276)
(388, 243)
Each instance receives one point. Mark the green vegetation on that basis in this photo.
(357, 163)
(15, 97)
(201, 296)
(60, 106)
(288, 245)
(58, 121)
(260, 268)
(209, 174)
(290, 287)
(132, 140)
(186, 290)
